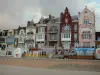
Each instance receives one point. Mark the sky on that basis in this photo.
(17, 12)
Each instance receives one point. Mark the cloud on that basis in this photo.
(17, 12)
(95, 6)
(6, 21)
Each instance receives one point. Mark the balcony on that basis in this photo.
(40, 37)
(53, 39)
(86, 47)
(65, 37)
(86, 40)
(53, 31)
(75, 30)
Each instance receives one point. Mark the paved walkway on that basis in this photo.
(15, 70)
(79, 65)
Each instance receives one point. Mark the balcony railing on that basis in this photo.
(85, 47)
(53, 31)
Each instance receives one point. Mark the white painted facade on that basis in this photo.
(86, 28)
(30, 38)
(21, 38)
(66, 37)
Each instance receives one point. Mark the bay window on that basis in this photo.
(65, 35)
(86, 36)
(41, 29)
(53, 36)
(40, 36)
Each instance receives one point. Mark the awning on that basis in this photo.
(34, 49)
(84, 49)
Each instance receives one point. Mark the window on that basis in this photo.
(10, 33)
(66, 28)
(86, 36)
(85, 14)
(40, 36)
(75, 27)
(65, 35)
(98, 38)
(21, 32)
(75, 36)
(86, 44)
(41, 29)
(53, 37)
(20, 39)
(86, 22)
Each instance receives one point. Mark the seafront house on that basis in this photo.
(30, 39)
(3, 36)
(97, 39)
(86, 28)
(86, 34)
(16, 37)
(21, 36)
(53, 30)
(66, 31)
(10, 38)
(41, 33)
(76, 30)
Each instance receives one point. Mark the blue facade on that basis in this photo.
(10, 40)
(84, 51)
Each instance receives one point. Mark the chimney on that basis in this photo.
(61, 16)
(79, 13)
(28, 23)
(50, 17)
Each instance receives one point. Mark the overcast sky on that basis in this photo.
(17, 12)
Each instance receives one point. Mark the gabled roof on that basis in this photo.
(55, 20)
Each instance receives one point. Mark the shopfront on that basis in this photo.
(10, 45)
(84, 51)
(10, 41)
